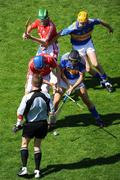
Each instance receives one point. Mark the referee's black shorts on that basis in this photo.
(36, 129)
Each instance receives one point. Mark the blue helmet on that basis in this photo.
(38, 62)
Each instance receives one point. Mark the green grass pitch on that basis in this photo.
(81, 151)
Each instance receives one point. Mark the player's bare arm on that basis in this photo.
(107, 26)
(80, 80)
(35, 39)
(65, 79)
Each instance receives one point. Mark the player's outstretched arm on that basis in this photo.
(107, 26)
(35, 39)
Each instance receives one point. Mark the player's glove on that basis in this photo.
(18, 126)
(26, 36)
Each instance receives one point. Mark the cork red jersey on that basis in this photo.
(50, 63)
(46, 33)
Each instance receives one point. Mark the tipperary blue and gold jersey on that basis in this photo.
(80, 34)
(71, 71)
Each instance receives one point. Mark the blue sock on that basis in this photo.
(94, 113)
(103, 77)
(97, 75)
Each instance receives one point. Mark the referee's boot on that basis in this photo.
(23, 172)
(37, 173)
(107, 85)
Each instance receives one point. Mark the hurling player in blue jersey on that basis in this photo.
(72, 71)
(80, 32)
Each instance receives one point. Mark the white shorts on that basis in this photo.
(72, 82)
(84, 49)
(50, 78)
(53, 78)
(52, 50)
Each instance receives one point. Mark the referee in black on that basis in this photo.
(35, 108)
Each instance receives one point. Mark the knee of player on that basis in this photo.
(88, 69)
(24, 145)
(95, 64)
(36, 149)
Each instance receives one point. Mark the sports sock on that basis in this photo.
(94, 113)
(37, 157)
(103, 77)
(97, 75)
(24, 156)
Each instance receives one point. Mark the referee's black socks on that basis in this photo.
(37, 157)
(24, 156)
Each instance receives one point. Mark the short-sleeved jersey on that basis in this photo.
(71, 71)
(50, 63)
(38, 109)
(46, 33)
(80, 34)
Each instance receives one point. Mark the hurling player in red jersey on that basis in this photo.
(43, 64)
(46, 30)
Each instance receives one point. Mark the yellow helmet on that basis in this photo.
(82, 16)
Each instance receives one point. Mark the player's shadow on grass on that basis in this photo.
(115, 81)
(28, 176)
(91, 82)
(85, 163)
(95, 83)
(87, 119)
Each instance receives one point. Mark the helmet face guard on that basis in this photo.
(43, 14)
(74, 56)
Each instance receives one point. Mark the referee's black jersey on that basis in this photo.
(38, 109)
